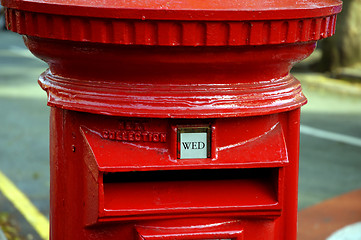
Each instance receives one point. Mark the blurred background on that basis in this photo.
(330, 151)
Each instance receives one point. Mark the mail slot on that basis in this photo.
(173, 120)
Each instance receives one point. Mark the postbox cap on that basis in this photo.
(175, 22)
(218, 10)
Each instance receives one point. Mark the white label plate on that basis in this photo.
(193, 145)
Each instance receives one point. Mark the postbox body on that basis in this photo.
(124, 177)
(173, 119)
(205, 158)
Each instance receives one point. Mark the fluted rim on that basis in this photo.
(167, 32)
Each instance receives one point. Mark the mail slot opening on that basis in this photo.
(262, 174)
(144, 193)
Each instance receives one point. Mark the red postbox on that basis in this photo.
(173, 119)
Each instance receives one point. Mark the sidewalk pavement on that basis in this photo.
(322, 81)
(321, 221)
(347, 81)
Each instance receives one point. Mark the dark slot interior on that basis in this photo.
(189, 175)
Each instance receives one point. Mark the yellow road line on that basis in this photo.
(39, 222)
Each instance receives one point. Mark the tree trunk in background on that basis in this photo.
(343, 49)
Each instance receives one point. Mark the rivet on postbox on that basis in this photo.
(186, 112)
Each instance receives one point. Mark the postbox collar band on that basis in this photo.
(172, 101)
(175, 23)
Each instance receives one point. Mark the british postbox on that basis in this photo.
(173, 119)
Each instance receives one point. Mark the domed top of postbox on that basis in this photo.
(175, 22)
(183, 9)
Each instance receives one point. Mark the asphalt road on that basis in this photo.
(329, 164)
(23, 128)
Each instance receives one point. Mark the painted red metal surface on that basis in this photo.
(127, 80)
(208, 10)
(114, 187)
(175, 82)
